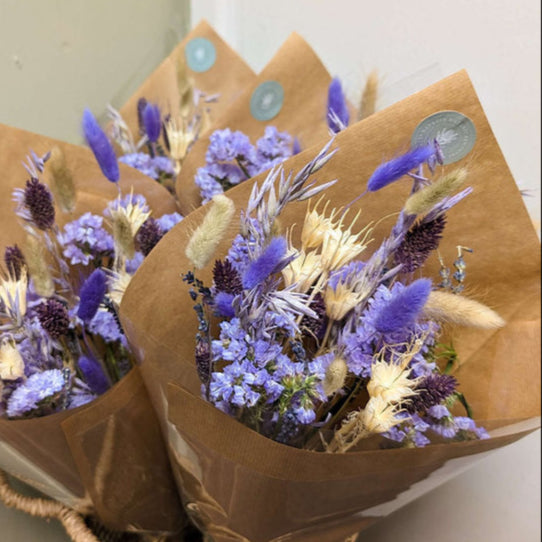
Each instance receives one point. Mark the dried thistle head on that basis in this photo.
(303, 271)
(379, 415)
(118, 283)
(390, 381)
(61, 181)
(13, 295)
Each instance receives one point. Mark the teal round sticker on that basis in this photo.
(266, 101)
(454, 132)
(200, 54)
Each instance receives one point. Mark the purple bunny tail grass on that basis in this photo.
(296, 146)
(402, 310)
(141, 103)
(152, 122)
(392, 170)
(93, 374)
(91, 295)
(337, 109)
(267, 263)
(101, 147)
(224, 304)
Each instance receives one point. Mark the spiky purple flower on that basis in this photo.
(418, 243)
(39, 202)
(93, 374)
(226, 278)
(267, 263)
(148, 235)
(403, 308)
(91, 295)
(152, 122)
(430, 392)
(101, 147)
(53, 317)
(14, 260)
(337, 108)
(394, 169)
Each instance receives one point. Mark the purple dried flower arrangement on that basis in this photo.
(61, 343)
(312, 345)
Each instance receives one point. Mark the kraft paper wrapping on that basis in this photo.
(88, 456)
(240, 486)
(227, 77)
(305, 82)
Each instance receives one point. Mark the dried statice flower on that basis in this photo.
(226, 278)
(40, 394)
(38, 201)
(404, 307)
(418, 243)
(85, 240)
(91, 295)
(432, 390)
(148, 235)
(338, 115)
(101, 147)
(14, 260)
(53, 317)
(155, 167)
(105, 323)
(93, 374)
(396, 168)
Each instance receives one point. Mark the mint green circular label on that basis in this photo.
(200, 54)
(454, 132)
(266, 101)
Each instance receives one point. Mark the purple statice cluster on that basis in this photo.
(155, 167)
(306, 332)
(231, 158)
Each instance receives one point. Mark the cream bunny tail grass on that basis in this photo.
(209, 233)
(425, 199)
(367, 104)
(461, 310)
(44, 508)
(61, 181)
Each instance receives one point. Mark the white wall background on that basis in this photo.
(58, 56)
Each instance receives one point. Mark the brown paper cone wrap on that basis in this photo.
(240, 483)
(305, 81)
(228, 77)
(107, 457)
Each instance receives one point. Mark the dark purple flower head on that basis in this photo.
(315, 327)
(148, 235)
(266, 264)
(93, 374)
(337, 108)
(394, 169)
(152, 122)
(39, 202)
(14, 260)
(431, 391)
(53, 318)
(403, 308)
(418, 243)
(101, 147)
(226, 278)
(141, 103)
(91, 295)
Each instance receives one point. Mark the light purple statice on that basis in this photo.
(166, 222)
(85, 240)
(154, 167)
(105, 325)
(33, 394)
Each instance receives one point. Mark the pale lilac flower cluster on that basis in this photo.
(157, 167)
(231, 159)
